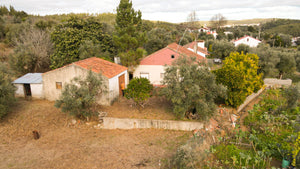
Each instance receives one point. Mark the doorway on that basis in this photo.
(27, 90)
(121, 84)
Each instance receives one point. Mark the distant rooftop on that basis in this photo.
(29, 78)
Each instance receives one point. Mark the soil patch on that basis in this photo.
(62, 145)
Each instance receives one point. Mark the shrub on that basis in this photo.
(7, 90)
(139, 90)
(79, 97)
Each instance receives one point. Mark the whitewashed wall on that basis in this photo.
(154, 72)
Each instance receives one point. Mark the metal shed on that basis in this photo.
(29, 85)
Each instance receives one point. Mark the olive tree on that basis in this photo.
(191, 88)
(78, 98)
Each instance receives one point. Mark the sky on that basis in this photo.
(174, 11)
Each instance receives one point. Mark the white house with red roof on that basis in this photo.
(115, 78)
(153, 66)
(197, 47)
(247, 40)
(214, 33)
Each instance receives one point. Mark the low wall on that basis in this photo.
(269, 82)
(250, 98)
(272, 82)
(125, 123)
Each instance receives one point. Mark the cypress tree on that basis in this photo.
(129, 37)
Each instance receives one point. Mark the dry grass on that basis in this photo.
(79, 146)
(157, 108)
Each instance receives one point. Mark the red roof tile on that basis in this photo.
(164, 56)
(98, 65)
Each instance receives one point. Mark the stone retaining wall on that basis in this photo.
(126, 123)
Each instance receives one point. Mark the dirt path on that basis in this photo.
(80, 146)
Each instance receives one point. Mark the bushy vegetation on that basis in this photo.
(79, 97)
(191, 88)
(239, 74)
(139, 90)
(7, 90)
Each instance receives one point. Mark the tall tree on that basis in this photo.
(191, 88)
(239, 75)
(129, 37)
(217, 21)
(67, 38)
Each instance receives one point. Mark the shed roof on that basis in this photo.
(29, 78)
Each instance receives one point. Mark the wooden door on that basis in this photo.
(121, 84)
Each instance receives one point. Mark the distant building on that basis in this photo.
(197, 47)
(247, 40)
(214, 33)
(153, 67)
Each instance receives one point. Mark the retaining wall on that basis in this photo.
(272, 82)
(126, 123)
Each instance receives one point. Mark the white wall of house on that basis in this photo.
(114, 85)
(65, 75)
(36, 90)
(248, 41)
(156, 73)
(20, 90)
(198, 52)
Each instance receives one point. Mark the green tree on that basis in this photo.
(191, 88)
(129, 37)
(222, 48)
(239, 75)
(7, 90)
(88, 48)
(139, 90)
(243, 48)
(78, 98)
(158, 38)
(67, 38)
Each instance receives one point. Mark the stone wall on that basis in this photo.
(126, 123)
(272, 82)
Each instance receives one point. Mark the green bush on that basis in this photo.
(79, 97)
(139, 90)
(7, 90)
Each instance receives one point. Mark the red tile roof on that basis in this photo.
(198, 49)
(98, 65)
(246, 37)
(164, 56)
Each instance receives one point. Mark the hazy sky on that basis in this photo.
(168, 10)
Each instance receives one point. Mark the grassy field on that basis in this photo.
(64, 145)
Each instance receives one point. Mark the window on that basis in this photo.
(144, 75)
(172, 56)
(58, 85)
(247, 39)
(162, 75)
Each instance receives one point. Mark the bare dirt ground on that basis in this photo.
(156, 108)
(80, 145)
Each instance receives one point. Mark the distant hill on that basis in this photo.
(238, 22)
